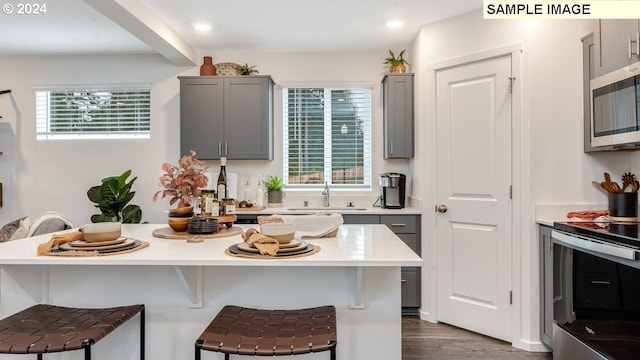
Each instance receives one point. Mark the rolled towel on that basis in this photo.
(266, 245)
(57, 239)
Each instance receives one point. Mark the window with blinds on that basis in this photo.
(327, 137)
(105, 113)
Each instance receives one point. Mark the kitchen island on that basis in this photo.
(184, 285)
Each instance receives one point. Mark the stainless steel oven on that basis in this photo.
(596, 291)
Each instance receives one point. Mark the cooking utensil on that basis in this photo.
(627, 180)
(635, 186)
(598, 185)
(611, 186)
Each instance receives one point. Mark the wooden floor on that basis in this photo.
(424, 340)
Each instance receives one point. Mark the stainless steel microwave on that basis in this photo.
(615, 108)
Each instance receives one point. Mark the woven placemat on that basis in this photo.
(77, 253)
(315, 249)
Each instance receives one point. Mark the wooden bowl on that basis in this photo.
(179, 224)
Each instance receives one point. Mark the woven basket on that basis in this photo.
(277, 219)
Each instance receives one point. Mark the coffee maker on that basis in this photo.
(393, 190)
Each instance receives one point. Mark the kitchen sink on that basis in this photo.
(328, 209)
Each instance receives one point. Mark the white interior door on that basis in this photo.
(473, 193)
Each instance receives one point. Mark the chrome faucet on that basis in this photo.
(325, 193)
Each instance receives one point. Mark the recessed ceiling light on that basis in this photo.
(394, 24)
(201, 26)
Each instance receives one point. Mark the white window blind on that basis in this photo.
(93, 113)
(327, 137)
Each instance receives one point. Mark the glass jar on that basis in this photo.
(208, 203)
(229, 207)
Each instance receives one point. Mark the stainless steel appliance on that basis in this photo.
(596, 290)
(393, 187)
(615, 108)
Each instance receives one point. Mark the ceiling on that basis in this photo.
(166, 26)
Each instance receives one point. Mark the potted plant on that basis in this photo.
(246, 69)
(182, 182)
(396, 64)
(112, 197)
(274, 185)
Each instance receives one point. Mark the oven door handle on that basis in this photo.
(593, 245)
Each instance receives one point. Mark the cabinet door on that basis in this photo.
(410, 288)
(361, 219)
(612, 44)
(201, 116)
(248, 129)
(398, 116)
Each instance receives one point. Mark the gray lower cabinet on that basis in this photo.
(228, 116)
(407, 227)
(397, 94)
(546, 283)
(616, 44)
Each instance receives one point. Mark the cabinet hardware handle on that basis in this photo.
(601, 282)
(226, 148)
(403, 281)
(398, 224)
(0, 194)
(219, 149)
(391, 147)
(635, 41)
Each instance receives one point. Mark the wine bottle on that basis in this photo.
(222, 180)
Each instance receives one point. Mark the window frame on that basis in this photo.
(43, 112)
(367, 185)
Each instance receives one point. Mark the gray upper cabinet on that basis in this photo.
(397, 96)
(228, 116)
(616, 44)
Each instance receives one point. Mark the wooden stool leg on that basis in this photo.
(39, 356)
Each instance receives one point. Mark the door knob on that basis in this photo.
(442, 208)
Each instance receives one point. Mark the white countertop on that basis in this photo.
(547, 214)
(354, 246)
(341, 210)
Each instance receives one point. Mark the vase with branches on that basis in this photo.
(182, 182)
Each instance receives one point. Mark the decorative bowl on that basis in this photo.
(103, 231)
(179, 224)
(283, 232)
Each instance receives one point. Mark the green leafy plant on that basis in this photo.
(184, 181)
(246, 69)
(112, 197)
(273, 183)
(393, 60)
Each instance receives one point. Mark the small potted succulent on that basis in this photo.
(182, 182)
(274, 185)
(396, 63)
(246, 69)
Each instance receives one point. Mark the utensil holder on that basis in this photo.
(623, 207)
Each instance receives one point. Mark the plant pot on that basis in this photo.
(274, 199)
(400, 68)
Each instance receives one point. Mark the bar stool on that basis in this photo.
(46, 328)
(246, 331)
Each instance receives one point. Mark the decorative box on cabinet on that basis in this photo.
(616, 44)
(228, 116)
(397, 97)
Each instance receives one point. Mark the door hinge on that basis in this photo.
(511, 80)
(510, 297)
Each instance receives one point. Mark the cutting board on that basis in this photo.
(255, 208)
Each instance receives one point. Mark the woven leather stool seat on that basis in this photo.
(245, 331)
(47, 328)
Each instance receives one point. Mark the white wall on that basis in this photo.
(54, 175)
(554, 166)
